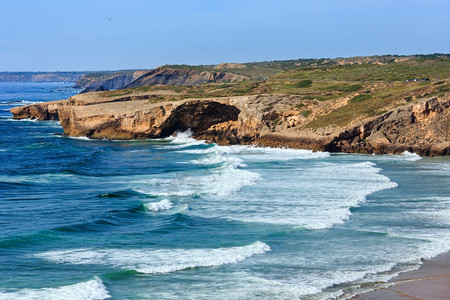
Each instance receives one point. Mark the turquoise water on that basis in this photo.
(179, 219)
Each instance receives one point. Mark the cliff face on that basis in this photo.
(163, 76)
(167, 76)
(422, 127)
(107, 82)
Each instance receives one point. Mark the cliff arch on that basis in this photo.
(198, 116)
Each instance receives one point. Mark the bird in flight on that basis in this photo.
(109, 18)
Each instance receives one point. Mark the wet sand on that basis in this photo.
(430, 282)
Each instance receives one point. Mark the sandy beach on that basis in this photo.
(430, 282)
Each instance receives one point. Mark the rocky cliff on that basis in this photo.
(108, 81)
(421, 127)
(163, 76)
(169, 76)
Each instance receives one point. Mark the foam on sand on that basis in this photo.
(89, 290)
(156, 261)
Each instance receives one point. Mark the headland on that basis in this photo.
(382, 104)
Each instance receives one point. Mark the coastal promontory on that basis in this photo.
(359, 105)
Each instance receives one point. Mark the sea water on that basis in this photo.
(177, 218)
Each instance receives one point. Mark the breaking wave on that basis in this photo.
(315, 198)
(156, 261)
(159, 206)
(89, 290)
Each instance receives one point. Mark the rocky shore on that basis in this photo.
(266, 119)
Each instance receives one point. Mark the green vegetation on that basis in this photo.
(360, 98)
(99, 75)
(159, 98)
(394, 71)
(352, 88)
(344, 89)
(306, 113)
(266, 69)
(383, 97)
(300, 105)
(304, 83)
(118, 93)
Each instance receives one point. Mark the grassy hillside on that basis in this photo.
(344, 89)
(395, 71)
(106, 74)
(400, 67)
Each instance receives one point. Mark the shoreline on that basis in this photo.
(264, 119)
(431, 282)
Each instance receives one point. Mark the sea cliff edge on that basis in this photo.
(421, 127)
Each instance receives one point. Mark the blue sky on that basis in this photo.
(63, 35)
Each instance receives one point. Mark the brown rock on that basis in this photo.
(422, 127)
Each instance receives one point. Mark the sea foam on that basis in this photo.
(408, 156)
(182, 140)
(316, 197)
(221, 173)
(156, 261)
(89, 290)
(159, 206)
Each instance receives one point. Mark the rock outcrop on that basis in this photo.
(422, 127)
(169, 76)
(98, 82)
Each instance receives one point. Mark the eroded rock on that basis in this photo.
(266, 120)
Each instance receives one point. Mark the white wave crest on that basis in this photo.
(17, 103)
(81, 138)
(222, 176)
(223, 180)
(282, 154)
(261, 153)
(159, 206)
(156, 261)
(408, 156)
(23, 120)
(182, 140)
(90, 290)
(316, 197)
(405, 156)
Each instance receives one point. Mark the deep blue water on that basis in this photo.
(179, 219)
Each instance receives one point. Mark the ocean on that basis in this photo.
(177, 218)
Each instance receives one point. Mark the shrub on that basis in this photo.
(306, 113)
(370, 112)
(443, 88)
(303, 84)
(360, 98)
(353, 88)
(300, 105)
